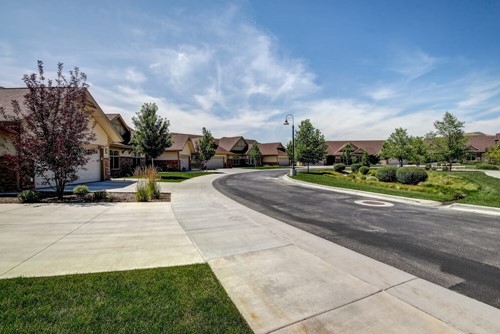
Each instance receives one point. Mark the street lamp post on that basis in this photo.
(293, 172)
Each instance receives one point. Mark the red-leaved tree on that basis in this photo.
(54, 128)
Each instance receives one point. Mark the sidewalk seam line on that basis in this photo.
(323, 312)
(253, 251)
(53, 243)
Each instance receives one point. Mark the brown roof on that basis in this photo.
(373, 147)
(479, 143)
(9, 94)
(178, 141)
(272, 149)
(227, 143)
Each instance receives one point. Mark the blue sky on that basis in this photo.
(357, 69)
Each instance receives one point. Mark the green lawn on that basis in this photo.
(184, 299)
(180, 176)
(478, 188)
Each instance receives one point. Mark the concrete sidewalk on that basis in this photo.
(285, 280)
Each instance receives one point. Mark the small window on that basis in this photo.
(114, 157)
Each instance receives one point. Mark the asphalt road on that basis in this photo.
(460, 251)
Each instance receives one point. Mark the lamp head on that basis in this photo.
(286, 122)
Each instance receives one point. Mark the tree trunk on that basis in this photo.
(308, 167)
(400, 162)
(451, 164)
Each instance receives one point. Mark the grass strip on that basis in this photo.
(476, 187)
(183, 299)
(180, 176)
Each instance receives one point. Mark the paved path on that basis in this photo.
(56, 239)
(282, 279)
(285, 280)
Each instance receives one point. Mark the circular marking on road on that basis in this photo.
(374, 203)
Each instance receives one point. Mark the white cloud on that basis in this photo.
(381, 93)
(415, 64)
(132, 75)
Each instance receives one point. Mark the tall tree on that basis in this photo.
(398, 146)
(255, 153)
(347, 154)
(54, 128)
(365, 159)
(289, 152)
(310, 144)
(419, 150)
(448, 142)
(206, 147)
(151, 136)
(493, 153)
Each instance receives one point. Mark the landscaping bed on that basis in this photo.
(180, 176)
(183, 299)
(49, 197)
(462, 187)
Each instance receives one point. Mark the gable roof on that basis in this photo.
(179, 140)
(373, 147)
(272, 149)
(228, 143)
(481, 142)
(9, 94)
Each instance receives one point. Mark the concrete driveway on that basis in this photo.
(56, 239)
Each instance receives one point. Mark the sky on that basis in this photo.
(357, 69)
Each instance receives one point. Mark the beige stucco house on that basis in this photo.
(98, 166)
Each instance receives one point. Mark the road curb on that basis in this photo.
(398, 199)
(474, 209)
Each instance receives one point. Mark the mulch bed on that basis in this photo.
(70, 198)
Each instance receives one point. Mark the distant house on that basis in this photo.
(336, 148)
(274, 154)
(178, 156)
(479, 143)
(96, 169)
(123, 160)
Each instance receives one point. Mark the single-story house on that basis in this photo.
(336, 148)
(274, 154)
(178, 156)
(479, 143)
(123, 160)
(96, 169)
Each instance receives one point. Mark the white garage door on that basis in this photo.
(215, 162)
(284, 161)
(91, 174)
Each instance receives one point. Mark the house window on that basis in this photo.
(114, 157)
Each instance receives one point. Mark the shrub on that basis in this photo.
(355, 167)
(142, 191)
(428, 166)
(364, 170)
(363, 177)
(411, 175)
(100, 195)
(29, 196)
(486, 166)
(339, 168)
(351, 176)
(459, 195)
(80, 190)
(444, 168)
(147, 188)
(371, 178)
(387, 174)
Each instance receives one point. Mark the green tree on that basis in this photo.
(398, 146)
(255, 153)
(419, 150)
(365, 159)
(206, 146)
(347, 154)
(448, 142)
(151, 136)
(493, 153)
(289, 152)
(310, 144)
